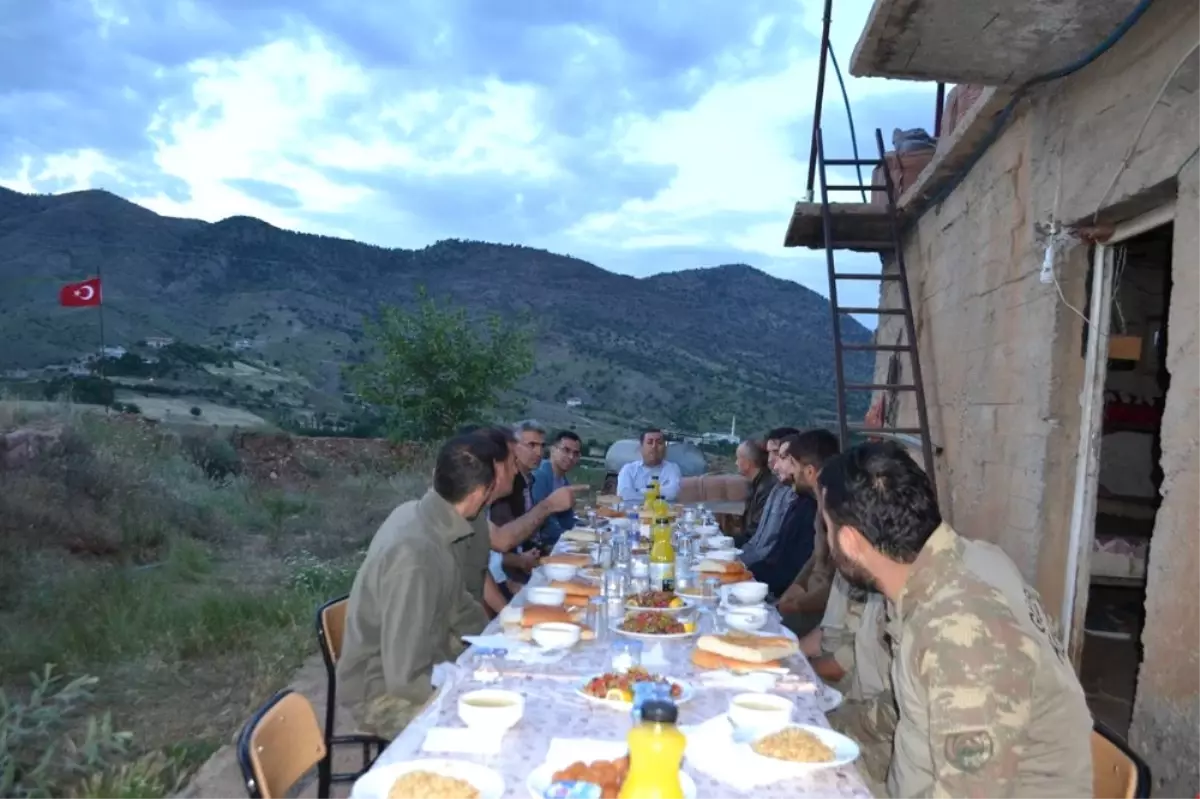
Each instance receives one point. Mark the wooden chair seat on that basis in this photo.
(331, 627)
(1117, 771)
(280, 744)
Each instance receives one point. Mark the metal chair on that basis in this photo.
(279, 745)
(1117, 771)
(331, 624)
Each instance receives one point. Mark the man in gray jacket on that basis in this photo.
(775, 508)
(409, 606)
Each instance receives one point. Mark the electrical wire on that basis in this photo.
(849, 116)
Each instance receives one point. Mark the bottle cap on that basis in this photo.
(660, 711)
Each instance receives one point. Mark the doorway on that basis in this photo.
(1123, 472)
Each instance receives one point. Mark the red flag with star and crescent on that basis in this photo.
(84, 294)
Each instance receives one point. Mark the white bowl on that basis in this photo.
(706, 530)
(719, 542)
(748, 593)
(746, 619)
(491, 709)
(721, 554)
(377, 782)
(759, 714)
(545, 595)
(560, 571)
(555, 635)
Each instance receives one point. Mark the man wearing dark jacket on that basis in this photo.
(752, 465)
(800, 459)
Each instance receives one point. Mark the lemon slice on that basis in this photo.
(615, 695)
(689, 626)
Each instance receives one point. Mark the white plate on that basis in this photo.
(686, 692)
(651, 636)
(829, 699)
(844, 749)
(376, 783)
(539, 780)
(638, 609)
(581, 574)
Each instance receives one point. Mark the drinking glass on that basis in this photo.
(487, 665)
(711, 588)
(624, 654)
(597, 616)
(603, 556)
(616, 584)
(622, 551)
(589, 513)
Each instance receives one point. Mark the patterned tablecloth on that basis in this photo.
(554, 709)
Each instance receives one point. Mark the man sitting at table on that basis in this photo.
(565, 451)
(408, 606)
(753, 466)
(635, 477)
(800, 459)
(779, 499)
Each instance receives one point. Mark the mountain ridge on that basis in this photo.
(688, 348)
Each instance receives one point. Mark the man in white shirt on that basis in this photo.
(635, 476)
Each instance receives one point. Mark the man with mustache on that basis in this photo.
(988, 703)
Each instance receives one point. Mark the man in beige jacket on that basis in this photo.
(409, 605)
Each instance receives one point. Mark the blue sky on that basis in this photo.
(642, 136)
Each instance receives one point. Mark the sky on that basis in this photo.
(641, 136)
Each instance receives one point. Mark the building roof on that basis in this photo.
(984, 43)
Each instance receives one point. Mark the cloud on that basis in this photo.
(644, 137)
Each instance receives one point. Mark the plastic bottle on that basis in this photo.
(662, 557)
(656, 749)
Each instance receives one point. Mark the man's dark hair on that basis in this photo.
(500, 437)
(779, 434)
(647, 431)
(812, 447)
(468, 429)
(878, 489)
(465, 463)
(569, 435)
(756, 452)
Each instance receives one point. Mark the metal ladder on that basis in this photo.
(900, 275)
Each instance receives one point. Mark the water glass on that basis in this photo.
(624, 654)
(616, 584)
(597, 615)
(589, 513)
(487, 665)
(684, 576)
(602, 557)
(711, 588)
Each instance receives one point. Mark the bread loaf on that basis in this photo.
(702, 659)
(540, 614)
(575, 588)
(569, 560)
(759, 649)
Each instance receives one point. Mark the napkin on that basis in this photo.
(518, 651)
(655, 657)
(562, 752)
(757, 682)
(711, 750)
(442, 673)
(462, 740)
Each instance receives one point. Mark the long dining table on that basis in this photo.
(554, 709)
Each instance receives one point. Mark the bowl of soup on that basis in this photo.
(545, 595)
(491, 709)
(759, 714)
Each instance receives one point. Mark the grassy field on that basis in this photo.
(152, 594)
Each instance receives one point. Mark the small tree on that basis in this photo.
(433, 370)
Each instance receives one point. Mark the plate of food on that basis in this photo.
(429, 779)
(806, 745)
(653, 625)
(657, 601)
(607, 775)
(581, 535)
(616, 689)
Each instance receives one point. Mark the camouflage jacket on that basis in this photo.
(989, 704)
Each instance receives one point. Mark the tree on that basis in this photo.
(435, 370)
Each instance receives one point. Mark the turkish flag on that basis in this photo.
(80, 295)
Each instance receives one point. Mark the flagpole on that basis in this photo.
(100, 314)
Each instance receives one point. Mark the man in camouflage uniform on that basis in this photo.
(988, 704)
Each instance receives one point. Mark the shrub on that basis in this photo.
(214, 454)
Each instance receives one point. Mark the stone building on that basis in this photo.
(1063, 189)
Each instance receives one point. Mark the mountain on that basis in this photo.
(685, 348)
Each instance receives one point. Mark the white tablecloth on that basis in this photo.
(553, 709)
